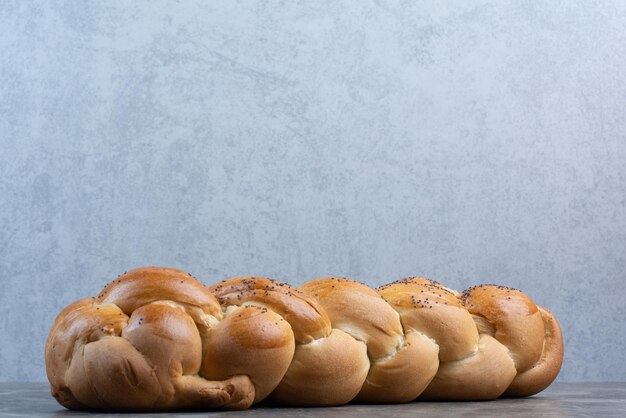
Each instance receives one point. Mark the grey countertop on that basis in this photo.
(559, 400)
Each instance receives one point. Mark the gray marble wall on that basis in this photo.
(469, 142)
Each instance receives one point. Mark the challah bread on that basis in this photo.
(156, 339)
(138, 346)
(327, 366)
(399, 366)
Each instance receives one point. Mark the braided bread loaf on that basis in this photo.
(157, 339)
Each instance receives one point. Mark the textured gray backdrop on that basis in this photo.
(470, 142)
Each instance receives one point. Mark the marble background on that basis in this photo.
(469, 142)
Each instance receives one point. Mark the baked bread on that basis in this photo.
(156, 339)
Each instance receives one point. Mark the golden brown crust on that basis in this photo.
(543, 373)
(480, 377)
(404, 375)
(168, 339)
(99, 358)
(514, 317)
(398, 369)
(253, 341)
(427, 307)
(80, 323)
(359, 311)
(144, 285)
(156, 339)
(111, 374)
(328, 371)
(307, 319)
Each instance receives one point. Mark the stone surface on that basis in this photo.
(559, 400)
(467, 141)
